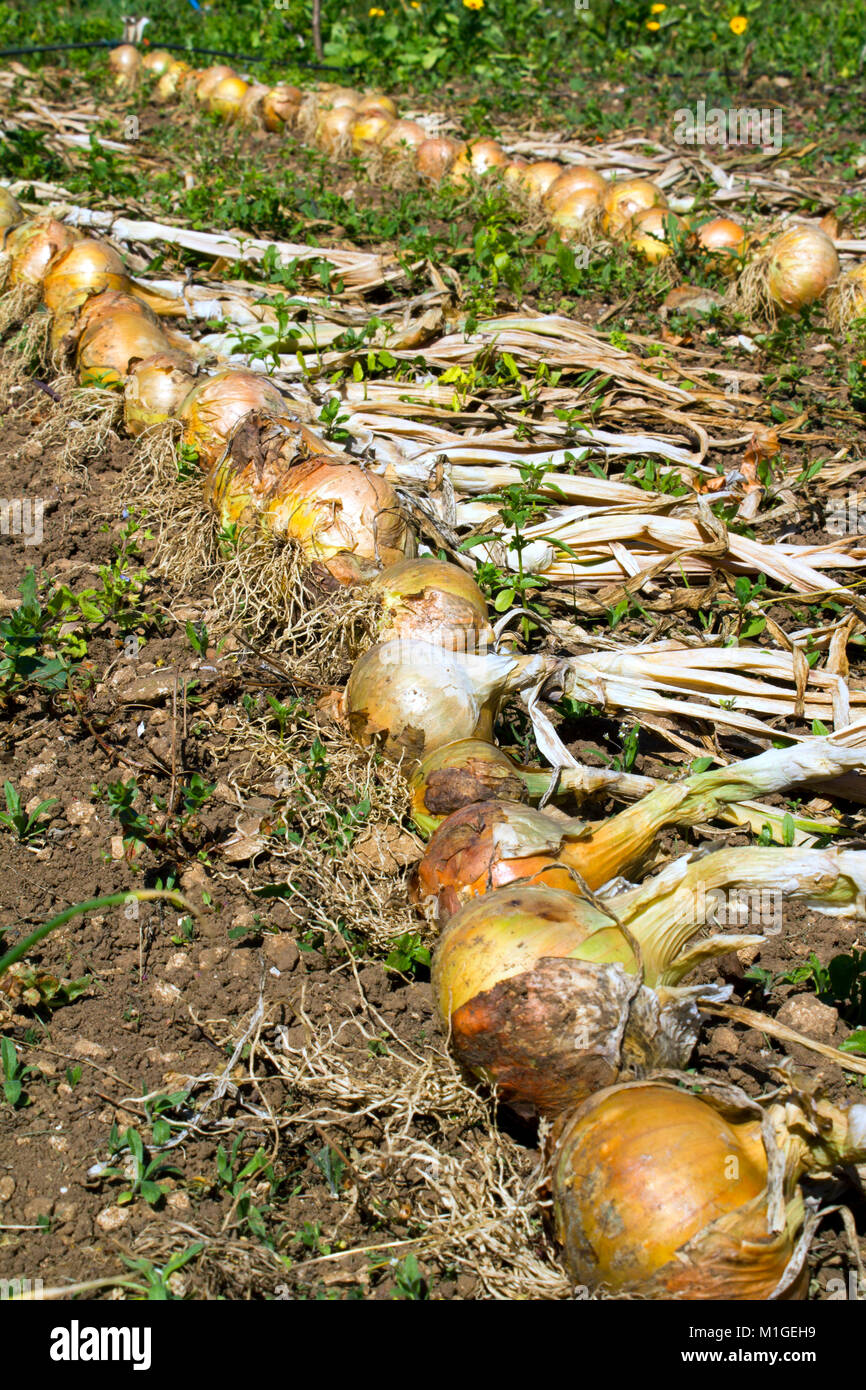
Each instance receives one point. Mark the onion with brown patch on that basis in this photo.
(156, 388)
(625, 198)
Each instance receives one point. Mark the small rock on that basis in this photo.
(117, 850)
(282, 952)
(38, 1206)
(178, 960)
(112, 1218)
(212, 956)
(84, 1048)
(65, 1211)
(7, 1187)
(164, 992)
(806, 1014)
(725, 1040)
(77, 812)
(177, 1201)
(748, 955)
(59, 1143)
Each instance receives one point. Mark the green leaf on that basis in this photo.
(161, 1132)
(702, 764)
(504, 599)
(856, 1042)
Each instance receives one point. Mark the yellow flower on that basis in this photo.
(653, 24)
(739, 24)
(657, 9)
(474, 4)
(414, 4)
(376, 13)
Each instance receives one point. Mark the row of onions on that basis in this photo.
(556, 988)
(783, 272)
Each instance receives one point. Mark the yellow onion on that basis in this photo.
(32, 246)
(213, 408)
(573, 179)
(208, 80)
(433, 601)
(513, 172)
(662, 1194)
(333, 130)
(340, 514)
(263, 447)
(576, 214)
(157, 61)
(723, 239)
(537, 179)
(109, 346)
(409, 697)
(125, 62)
(73, 317)
(847, 299)
(375, 101)
(403, 139)
(648, 233)
(250, 109)
(86, 268)
(280, 106)
(476, 159)
(461, 774)
(624, 199)
(226, 98)
(156, 388)
(171, 80)
(340, 96)
(11, 211)
(801, 264)
(434, 158)
(369, 130)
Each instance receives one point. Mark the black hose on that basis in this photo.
(172, 47)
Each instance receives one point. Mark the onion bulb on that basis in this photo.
(724, 240)
(659, 1193)
(536, 179)
(333, 129)
(226, 98)
(171, 80)
(157, 61)
(477, 159)
(32, 246)
(11, 211)
(73, 317)
(624, 199)
(847, 299)
(461, 774)
(155, 389)
(369, 130)
(339, 514)
(107, 348)
(250, 109)
(433, 601)
(435, 157)
(575, 215)
(86, 268)
(409, 697)
(403, 139)
(213, 408)
(648, 233)
(280, 107)
(798, 266)
(376, 101)
(209, 79)
(340, 96)
(577, 176)
(125, 62)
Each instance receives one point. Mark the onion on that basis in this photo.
(125, 62)
(209, 79)
(575, 214)
(648, 233)
(156, 388)
(74, 317)
(226, 98)
(157, 61)
(800, 265)
(369, 130)
(847, 300)
(433, 601)
(86, 268)
(340, 96)
(409, 697)
(32, 246)
(213, 408)
(250, 110)
(461, 774)
(577, 176)
(280, 106)
(723, 238)
(107, 348)
(11, 211)
(536, 179)
(263, 446)
(403, 139)
(336, 510)
(171, 79)
(659, 1193)
(477, 159)
(376, 101)
(622, 200)
(333, 130)
(435, 157)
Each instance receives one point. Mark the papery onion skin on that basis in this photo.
(648, 233)
(250, 109)
(377, 101)
(33, 245)
(156, 388)
(157, 61)
(227, 97)
(403, 139)
(333, 131)
(340, 96)
(643, 1170)
(125, 62)
(576, 214)
(435, 157)
(338, 509)
(369, 129)
(847, 299)
(433, 601)
(86, 268)
(11, 211)
(624, 199)
(576, 177)
(722, 235)
(73, 317)
(461, 774)
(477, 158)
(208, 80)
(107, 348)
(802, 264)
(264, 447)
(538, 178)
(280, 107)
(215, 406)
(171, 79)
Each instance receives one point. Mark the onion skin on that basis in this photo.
(723, 238)
(336, 510)
(125, 63)
(435, 157)
(207, 81)
(264, 446)
(433, 601)
(847, 300)
(33, 245)
(403, 140)
(155, 389)
(648, 233)
(157, 62)
(576, 213)
(73, 317)
(646, 1201)
(624, 199)
(88, 267)
(577, 176)
(377, 101)
(476, 159)
(461, 774)
(538, 178)
(11, 211)
(369, 129)
(227, 97)
(333, 131)
(802, 264)
(215, 406)
(171, 80)
(107, 348)
(280, 107)
(250, 110)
